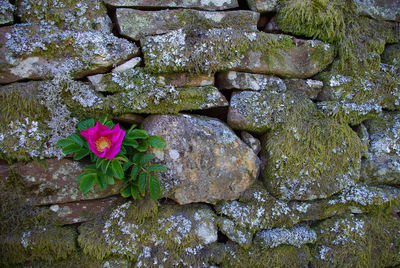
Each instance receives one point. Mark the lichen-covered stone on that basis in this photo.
(262, 111)
(135, 24)
(391, 55)
(310, 88)
(132, 63)
(382, 164)
(247, 81)
(235, 233)
(86, 15)
(251, 141)
(31, 51)
(205, 160)
(6, 12)
(197, 4)
(379, 9)
(175, 231)
(55, 182)
(296, 236)
(225, 49)
(311, 158)
(363, 241)
(263, 5)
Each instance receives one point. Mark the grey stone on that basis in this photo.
(391, 55)
(382, 164)
(379, 9)
(251, 141)
(56, 183)
(310, 88)
(130, 118)
(6, 12)
(132, 63)
(77, 15)
(263, 5)
(30, 51)
(296, 236)
(206, 161)
(235, 233)
(261, 111)
(197, 4)
(248, 81)
(135, 24)
(208, 51)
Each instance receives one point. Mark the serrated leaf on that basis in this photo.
(134, 172)
(142, 182)
(130, 142)
(126, 191)
(143, 146)
(135, 192)
(72, 148)
(117, 169)
(145, 159)
(137, 134)
(156, 168)
(81, 154)
(154, 187)
(87, 182)
(136, 157)
(83, 125)
(86, 172)
(77, 139)
(101, 180)
(64, 142)
(157, 142)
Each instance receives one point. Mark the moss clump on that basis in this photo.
(311, 158)
(318, 19)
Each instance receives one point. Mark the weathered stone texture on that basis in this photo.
(379, 9)
(197, 4)
(263, 5)
(206, 161)
(6, 12)
(135, 24)
(223, 49)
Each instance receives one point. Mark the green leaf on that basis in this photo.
(145, 159)
(93, 157)
(99, 161)
(87, 182)
(135, 192)
(123, 150)
(83, 125)
(157, 168)
(72, 148)
(101, 180)
(81, 154)
(77, 139)
(130, 142)
(136, 157)
(110, 179)
(157, 142)
(127, 165)
(143, 146)
(117, 169)
(64, 142)
(126, 191)
(154, 187)
(142, 182)
(110, 124)
(132, 128)
(86, 172)
(137, 134)
(105, 165)
(135, 171)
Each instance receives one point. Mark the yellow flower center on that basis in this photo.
(102, 143)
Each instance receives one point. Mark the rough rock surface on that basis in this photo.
(382, 164)
(310, 88)
(55, 182)
(391, 55)
(197, 4)
(251, 141)
(296, 236)
(135, 24)
(225, 49)
(186, 229)
(263, 5)
(379, 9)
(30, 51)
(6, 12)
(358, 240)
(248, 81)
(207, 163)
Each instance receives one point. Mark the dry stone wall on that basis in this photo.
(281, 117)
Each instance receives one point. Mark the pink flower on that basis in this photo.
(103, 141)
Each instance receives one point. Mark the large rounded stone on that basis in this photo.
(206, 161)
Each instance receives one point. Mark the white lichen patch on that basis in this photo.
(296, 236)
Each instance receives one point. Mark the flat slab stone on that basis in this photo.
(135, 24)
(310, 88)
(263, 5)
(224, 49)
(197, 4)
(206, 161)
(78, 15)
(379, 9)
(249, 81)
(29, 51)
(6, 12)
(382, 164)
(56, 183)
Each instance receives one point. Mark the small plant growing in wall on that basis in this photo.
(115, 154)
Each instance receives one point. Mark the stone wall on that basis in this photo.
(281, 117)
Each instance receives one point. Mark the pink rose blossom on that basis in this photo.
(103, 141)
